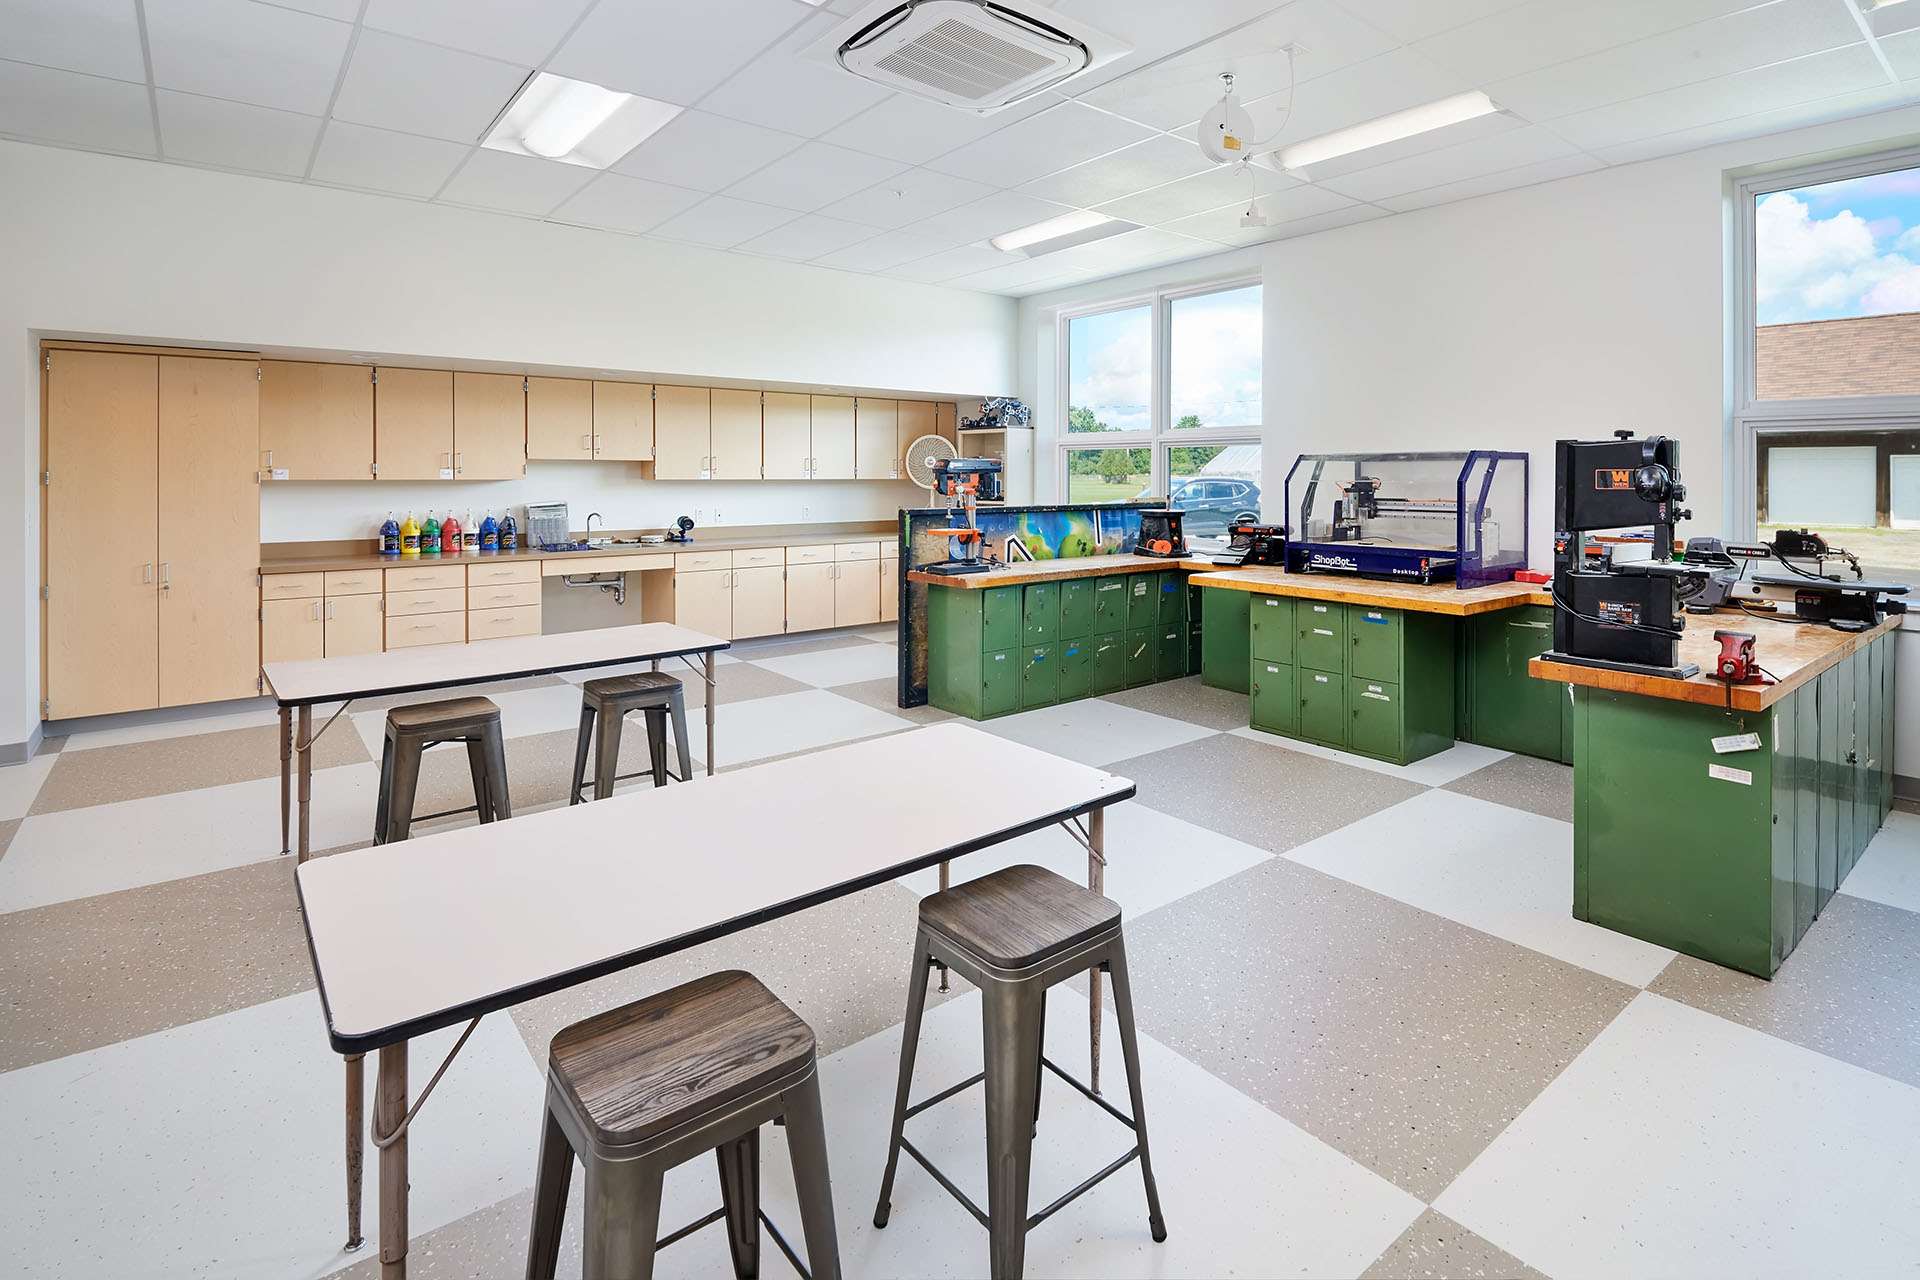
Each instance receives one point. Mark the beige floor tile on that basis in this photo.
(884, 695)
(136, 770)
(6, 835)
(1539, 786)
(1436, 1247)
(1187, 700)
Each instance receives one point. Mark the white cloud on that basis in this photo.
(1809, 268)
(1896, 293)
(1216, 364)
(1909, 240)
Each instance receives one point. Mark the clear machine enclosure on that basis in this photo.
(1414, 517)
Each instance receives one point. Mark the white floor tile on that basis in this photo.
(177, 727)
(1152, 858)
(1681, 1144)
(214, 1148)
(830, 667)
(1437, 770)
(1095, 731)
(20, 785)
(1889, 871)
(1490, 867)
(103, 848)
(523, 713)
(788, 722)
(885, 633)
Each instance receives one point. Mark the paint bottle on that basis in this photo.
(469, 534)
(489, 533)
(450, 535)
(509, 533)
(409, 536)
(390, 536)
(430, 536)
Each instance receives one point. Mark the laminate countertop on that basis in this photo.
(296, 562)
(1414, 597)
(1012, 574)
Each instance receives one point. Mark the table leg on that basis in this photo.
(356, 1145)
(945, 870)
(390, 1112)
(1096, 881)
(286, 778)
(305, 749)
(711, 690)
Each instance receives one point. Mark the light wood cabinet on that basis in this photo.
(736, 435)
(436, 628)
(856, 592)
(890, 589)
(413, 424)
(292, 630)
(833, 437)
(292, 586)
(352, 582)
(702, 602)
(354, 624)
(810, 596)
(682, 432)
(209, 529)
(489, 426)
(316, 420)
(759, 602)
(946, 421)
(623, 425)
(560, 419)
(876, 439)
(916, 420)
(497, 624)
(786, 436)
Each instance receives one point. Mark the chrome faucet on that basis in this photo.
(591, 517)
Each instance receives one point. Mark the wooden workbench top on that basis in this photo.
(1012, 575)
(1414, 597)
(289, 558)
(1794, 652)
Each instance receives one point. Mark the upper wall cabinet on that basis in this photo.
(786, 436)
(559, 419)
(946, 415)
(876, 439)
(736, 435)
(316, 421)
(916, 420)
(682, 433)
(833, 437)
(489, 426)
(623, 421)
(413, 424)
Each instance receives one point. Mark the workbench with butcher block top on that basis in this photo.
(1720, 820)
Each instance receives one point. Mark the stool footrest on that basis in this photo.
(445, 813)
(720, 1213)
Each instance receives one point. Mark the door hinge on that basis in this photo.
(46, 479)
(49, 369)
(524, 386)
(260, 684)
(261, 613)
(376, 376)
(46, 592)
(374, 468)
(257, 375)
(46, 709)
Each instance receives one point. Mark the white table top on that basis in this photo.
(442, 666)
(432, 931)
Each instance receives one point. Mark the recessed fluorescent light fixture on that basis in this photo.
(1079, 227)
(1390, 128)
(1882, 4)
(575, 122)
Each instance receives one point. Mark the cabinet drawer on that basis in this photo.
(1143, 656)
(1374, 637)
(439, 628)
(426, 577)
(1322, 630)
(1000, 682)
(856, 551)
(686, 560)
(1109, 605)
(1041, 616)
(353, 582)
(1271, 629)
(1109, 663)
(408, 604)
(492, 624)
(292, 586)
(759, 557)
(1373, 707)
(1143, 600)
(1274, 706)
(486, 575)
(818, 553)
(504, 596)
(1323, 707)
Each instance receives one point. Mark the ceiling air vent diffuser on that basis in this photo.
(973, 54)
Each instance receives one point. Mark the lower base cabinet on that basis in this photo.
(759, 601)
(355, 625)
(430, 628)
(810, 596)
(1500, 705)
(292, 630)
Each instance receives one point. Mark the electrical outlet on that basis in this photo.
(699, 516)
(717, 517)
(804, 511)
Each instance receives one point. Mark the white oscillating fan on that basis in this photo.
(921, 456)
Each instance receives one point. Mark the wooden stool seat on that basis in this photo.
(410, 731)
(607, 702)
(451, 714)
(1019, 916)
(636, 1072)
(629, 686)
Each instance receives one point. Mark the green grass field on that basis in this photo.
(1096, 489)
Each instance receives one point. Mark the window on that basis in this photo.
(1827, 428)
(1172, 383)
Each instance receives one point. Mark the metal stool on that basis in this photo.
(410, 731)
(1013, 934)
(640, 1089)
(612, 699)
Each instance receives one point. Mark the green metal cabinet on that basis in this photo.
(1143, 600)
(1000, 616)
(1041, 613)
(1501, 705)
(1271, 624)
(1110, 605)
(1374, 718)
(1224, 648)
(1173, 599)
(1323, 706)
(1109, 663)
(1373, 635)
(1075, 677)
(1076, 607)
(1320, 635)
(1274, 706)
(1143, 656)
(1172, 662)
(1000, 683)
(1038, 687)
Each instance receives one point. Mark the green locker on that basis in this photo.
(1888, 652)
(1076, 607)
(1109, 663)
(1224, 649)
(1110, 604)
(1374, 636)
(1866, 765)
(1000, 683)
(1507, 708)
(1143, 656)
(1827, 853)
(1320, 630)
(1038, 687)
(1041, 615)
(1323, 707)
(1272, 627)
(1274, 706)
(1143, 600)
(1804, 766)
(1172, 663)
(1375, 716)
(1000, 616)
(1173, 599)
(1785, 891)
(1075, 678)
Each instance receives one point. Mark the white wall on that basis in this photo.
(98, 245)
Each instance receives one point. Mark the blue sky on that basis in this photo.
(1216, 361)
(1845, 248)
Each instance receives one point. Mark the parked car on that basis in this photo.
(1213, 504)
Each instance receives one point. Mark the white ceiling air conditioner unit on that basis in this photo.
(977, 55)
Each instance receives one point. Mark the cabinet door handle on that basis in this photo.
(586, 442)
(316, 611)
(329, 611)
(458, 463)
(166, 575)
(446, 460)
(146, 574)
(269, 459)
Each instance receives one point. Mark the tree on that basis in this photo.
(1188, 422)
(1080, 419)
(1115, 467)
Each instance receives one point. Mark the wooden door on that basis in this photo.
(623, 421)
(682, 422)
(876, 439)
(355, 624)
(489, 426)
(759, 602)
(916, 420)
(102, 610)
(736, 435)
(809, 596)
(787, 436)
(946, 421)
(316, 420)
(833, 442)
(559, 419)
(703, 601)
(890, 589)
(291, 630)
(209, 529)
(856, 593)
(413, 424)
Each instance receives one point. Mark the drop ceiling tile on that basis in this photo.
(792, 87)
(1526, 175)
(993, 215)
(888, 249)
(706, 152)
(1394, 81)
(1041, 144)
(1406, 148)
(914, 130)
(98, 37)
(1411, 20)
(1319, 222)
(1209, 190)
(950, 263)
(616, 202)
(1131, 251)
(1474, 159)
(512, 30)
(352, 155)
(907, 197)
(1035, 275)
(49, 105)
(1903, 52)
(813, 175)
(1719, 47)
(246, 52)
(673, 52)
(517, 184)
(1154, 29)
(235, 135)
(397, 83)
(1545, 32)
(1893, 20)
(1842, 106)
(340, 10)
(1295, 204)
(722, 222)
(1179, 90)
(1129, 170)
(807, 237)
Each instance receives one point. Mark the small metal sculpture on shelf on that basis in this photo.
(999, 413)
